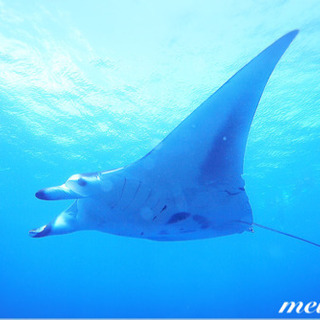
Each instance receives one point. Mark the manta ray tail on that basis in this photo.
(286, 234)
(283, 233)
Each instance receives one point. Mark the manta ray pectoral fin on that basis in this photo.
(209, 145)
(57, 193)
(66, 222)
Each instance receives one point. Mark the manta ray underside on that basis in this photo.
(190, 185)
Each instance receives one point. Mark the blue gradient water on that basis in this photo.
(94, 86)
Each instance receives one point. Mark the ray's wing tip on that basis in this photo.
(294, 32)
(285, 40)
(289, 37)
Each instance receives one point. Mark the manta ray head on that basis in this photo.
(76, 187)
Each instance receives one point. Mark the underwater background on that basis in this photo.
(94, 85)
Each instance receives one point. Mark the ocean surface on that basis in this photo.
(95, 85)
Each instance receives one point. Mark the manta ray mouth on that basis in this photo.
(57, 193)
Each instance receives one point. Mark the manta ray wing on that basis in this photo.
(209, 145)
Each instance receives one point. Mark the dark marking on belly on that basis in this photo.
(241, 188)
(202, 221)
(177, 217)
(164, 208)
(141, 234)
(231, 193)
(163, 232)
(154, 218)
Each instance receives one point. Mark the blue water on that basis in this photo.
(88, 86)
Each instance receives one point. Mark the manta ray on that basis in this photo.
(190, 185)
